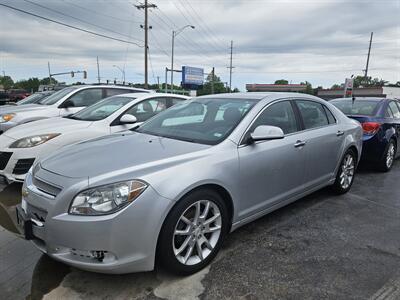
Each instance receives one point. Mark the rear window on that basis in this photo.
(360, 107)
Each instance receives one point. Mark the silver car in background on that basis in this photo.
(62, 103)
(169, 191)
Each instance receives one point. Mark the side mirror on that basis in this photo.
(266, 132)
(67, 104)
(128, 119)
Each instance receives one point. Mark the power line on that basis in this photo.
(78, 19)
(204, 24)
(310, 71)
(100, 13)
(70, 26)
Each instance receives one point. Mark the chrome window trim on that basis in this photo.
(240, 145)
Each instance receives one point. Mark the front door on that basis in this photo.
(272, 171)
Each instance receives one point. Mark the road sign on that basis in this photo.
(192, 76)
(348, 87)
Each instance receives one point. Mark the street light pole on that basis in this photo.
(122, 71)
(174, 34)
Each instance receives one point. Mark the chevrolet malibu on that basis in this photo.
(168, 192)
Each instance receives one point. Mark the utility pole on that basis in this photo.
(98, 70)
(212, 80)
(369, 52)
(48, 65)
(230, 69)
(158, 82)
(146, 6)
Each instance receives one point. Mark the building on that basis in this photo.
(255, 87)
(378, 91)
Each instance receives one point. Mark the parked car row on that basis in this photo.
(140, 179)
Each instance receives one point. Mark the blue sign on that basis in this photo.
(192, 76)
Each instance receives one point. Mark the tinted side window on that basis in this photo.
(395, 109)
(331, 117)
(112, 92)
(86, 97)
(174, 101)
(313, 114)
(280, 115)
(388, 112)
(147, 108)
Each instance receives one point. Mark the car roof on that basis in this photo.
(377, 99)
(260, 95)
(110, 86)
(137, 95)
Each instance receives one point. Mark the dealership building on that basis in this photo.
(256, 87)
(378, 91)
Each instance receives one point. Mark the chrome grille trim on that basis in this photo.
(46, 187)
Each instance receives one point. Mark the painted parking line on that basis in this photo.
(390, 291)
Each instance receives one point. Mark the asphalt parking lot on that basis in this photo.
(321, 247)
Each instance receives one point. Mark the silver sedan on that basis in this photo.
(169, 191)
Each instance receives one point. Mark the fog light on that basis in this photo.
(93, 254)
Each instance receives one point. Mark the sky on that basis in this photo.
(320, 41)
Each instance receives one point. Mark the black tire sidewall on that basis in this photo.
(165, 254)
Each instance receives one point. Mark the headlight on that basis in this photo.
(106, 199)
(32, 141)
(6, 118)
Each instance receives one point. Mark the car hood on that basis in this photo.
(46, 126)
(22, 108)
(119, 154)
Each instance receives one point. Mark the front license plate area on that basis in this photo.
(25, 224)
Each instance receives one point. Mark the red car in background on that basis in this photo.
(15, 95)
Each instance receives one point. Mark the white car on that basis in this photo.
(22, 145)
(64, 102)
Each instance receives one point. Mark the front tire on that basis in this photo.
(345, 174)
(386, 164)
(193, 232)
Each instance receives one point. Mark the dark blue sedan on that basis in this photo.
(380, 119)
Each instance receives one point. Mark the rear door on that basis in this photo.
(82, 99)
(272, 171)
(143, 111)
(323, 138)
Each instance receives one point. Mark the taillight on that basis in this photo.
(370, 127)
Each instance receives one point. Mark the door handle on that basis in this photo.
(299, 144)
(339, 133)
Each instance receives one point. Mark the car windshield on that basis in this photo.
(57, 96)
(102, 109)
(356, 107)
(205, 121)
(35, 98)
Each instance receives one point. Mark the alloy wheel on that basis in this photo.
(197, 232)
(347, 171)
(390, 155)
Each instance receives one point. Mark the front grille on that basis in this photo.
(46, 187)
(4, 158)
(23, 166)
(37, 213)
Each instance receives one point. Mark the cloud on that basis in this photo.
(319, 41)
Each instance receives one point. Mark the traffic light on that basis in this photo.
(84, 74)
(72, 74)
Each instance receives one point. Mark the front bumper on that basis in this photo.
(127, 240)
(21, 159)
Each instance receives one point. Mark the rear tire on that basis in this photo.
(193, 232)
(386, 164)
(345, 175)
